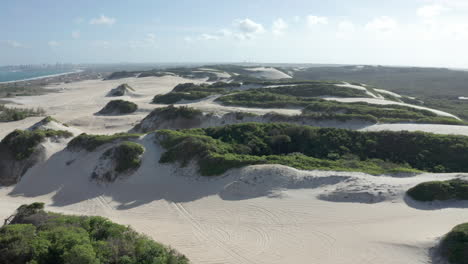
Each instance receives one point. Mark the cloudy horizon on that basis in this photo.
(415, 32)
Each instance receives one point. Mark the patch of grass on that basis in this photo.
(454, 246)
(22, 143)
(456, 189)
(8, 114)
(219, 149)
(91, 142)
(172, 112)
(127, 156)
(119, 107)
(41, 237)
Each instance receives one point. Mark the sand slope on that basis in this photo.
(257, 214)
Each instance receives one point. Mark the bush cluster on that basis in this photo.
(119, 107)
(454, 246)
(22, 143)
(8, 114)
(218, 149)
(91, 142)
(190, 91)
(127, 156)
(39, 237)
(456, 189)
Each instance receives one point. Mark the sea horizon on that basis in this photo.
(16, 76)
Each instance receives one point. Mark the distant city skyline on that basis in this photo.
(401, 32)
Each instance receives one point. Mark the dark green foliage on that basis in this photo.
(91, 142)
(172, 112)
(288, 96)
(119, 107)
(454, 247)
(126, 155)
(440, 190)
(392, 113)
(219, 149)
(190, 91)
(121, 74)
(64, 239)
(8, 114)
(22, 143)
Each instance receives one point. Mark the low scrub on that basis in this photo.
(91, 142)
(127, 156)
(219, 149)
(40, 237)
(190, 92)
(119, 107)
(455, 189)
(22, 143)
(8, 114)
(392, 113)
(454, 246)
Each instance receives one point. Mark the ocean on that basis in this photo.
(18, 75)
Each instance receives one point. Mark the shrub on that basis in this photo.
(119, 107)
(80, 240)
(221, 148)
(454, 247)
(126, 155)
(22, 143)
(91, 142)
(8, 114)
(440, 190)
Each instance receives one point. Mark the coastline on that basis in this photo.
(42, 77)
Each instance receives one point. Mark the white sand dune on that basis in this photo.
(268, 73)
(257, 214)
(358, 87)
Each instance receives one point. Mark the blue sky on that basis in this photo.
(398, 32)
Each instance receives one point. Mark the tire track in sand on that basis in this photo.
(219, 243)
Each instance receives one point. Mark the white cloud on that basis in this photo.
(76, 34)
(188, 39)
(102, 20)
(208, 37)
(248, 26)
(297, 19)
(430, 11)
(316, 20)
(150, 38)
(53, 43)
(382, 24)
(279, 26)
(13, 44)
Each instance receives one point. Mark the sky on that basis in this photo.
(397, 32)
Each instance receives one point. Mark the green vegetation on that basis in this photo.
(288, 96)
(38, 237)
(219, 149)
(384, 113)
(454, 247)
(22, 143)
(455, 189)
(119, 107)
(91, 142)
(172, 112)
(121, 74)
(8, 114)
(126, 155)
(190, 91)
(120, 90)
